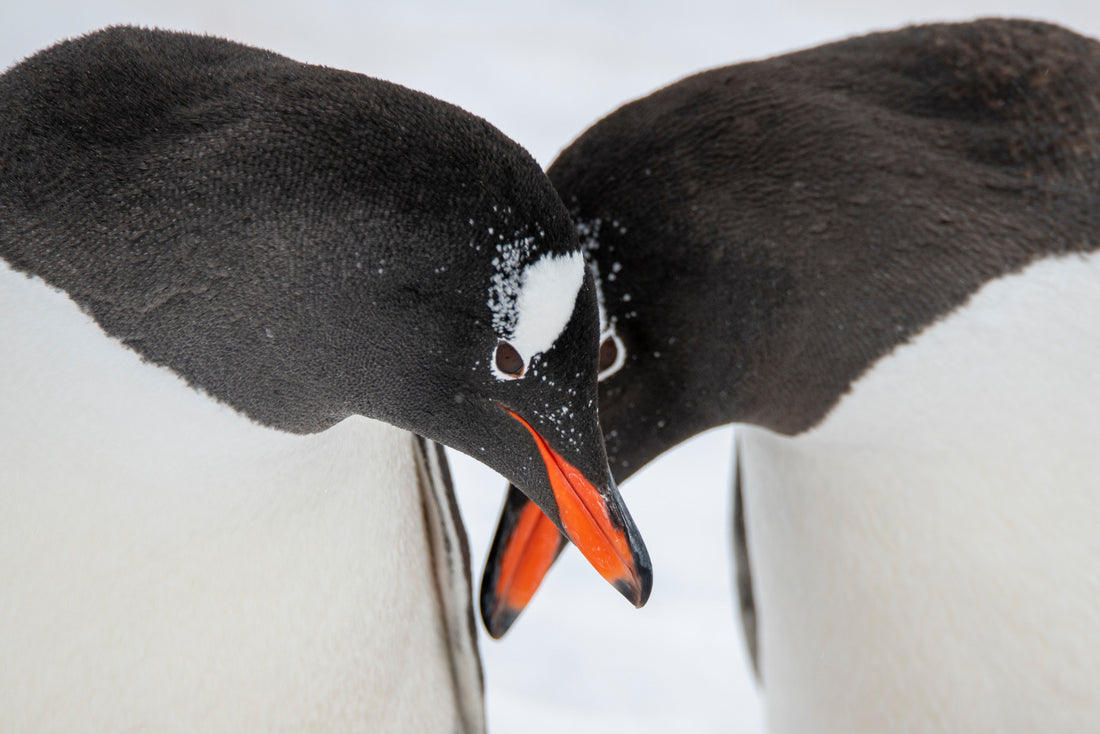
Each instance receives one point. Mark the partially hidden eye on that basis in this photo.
(609, 352)
(508, 360)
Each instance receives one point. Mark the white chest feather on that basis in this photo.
(928, 559)
(167, 565)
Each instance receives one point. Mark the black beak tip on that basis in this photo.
(499, 620)
(496, 615)
(627, 589)
(637, 590)
(645, 574)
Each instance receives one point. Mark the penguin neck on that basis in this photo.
(1008, 371)
(837, 311)
(958, 474)
(119, 476)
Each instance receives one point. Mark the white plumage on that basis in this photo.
(168, 565)
(928, 558)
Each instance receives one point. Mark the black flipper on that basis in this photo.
(741, 566)
(450, 552)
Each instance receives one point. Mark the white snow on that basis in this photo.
(580, 659)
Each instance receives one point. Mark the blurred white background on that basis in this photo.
(581, 659)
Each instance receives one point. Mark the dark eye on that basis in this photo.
(609, 352)
(508, 360)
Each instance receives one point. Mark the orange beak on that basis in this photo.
(595, 522)
(526, 546)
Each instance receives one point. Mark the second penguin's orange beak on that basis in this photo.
(525, 547)
(594, 521)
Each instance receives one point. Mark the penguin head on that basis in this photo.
(483, 328)
(499, 360)
(306, 244)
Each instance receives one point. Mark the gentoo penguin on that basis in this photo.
(231, 285)
(879, 257)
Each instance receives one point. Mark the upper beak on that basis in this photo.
(594, 519)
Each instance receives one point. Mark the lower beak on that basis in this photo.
(596, 522)
(526, 545)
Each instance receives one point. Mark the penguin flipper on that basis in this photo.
(450, 553)
(747, 602)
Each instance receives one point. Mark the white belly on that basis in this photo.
(928, 559)
(167, 565)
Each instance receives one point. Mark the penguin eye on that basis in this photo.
(612, 355)
(609, 352)
(508, 360)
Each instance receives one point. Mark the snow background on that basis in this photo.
(580, 659)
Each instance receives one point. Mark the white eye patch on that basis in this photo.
(531, 307)
(611, 344)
